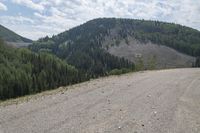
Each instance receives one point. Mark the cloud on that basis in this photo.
(59, 15)
(34, 34)
(29, 4)
(185, 12)
(15, 20)
(3, 7)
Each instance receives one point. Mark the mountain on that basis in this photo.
(12, 38)
(147, 44)
(97, 48)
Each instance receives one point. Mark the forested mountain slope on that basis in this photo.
(97, 48)
(13, 38)
(89, 44)
(23, 72)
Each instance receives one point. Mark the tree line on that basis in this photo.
(23, 72)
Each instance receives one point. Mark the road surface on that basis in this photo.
(164, 101)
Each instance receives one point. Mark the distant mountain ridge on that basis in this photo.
(12, 38)
(125, 38)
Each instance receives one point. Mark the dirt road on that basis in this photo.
(165, 101)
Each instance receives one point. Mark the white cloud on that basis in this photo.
(34, 34)
(188, 13)
(16, 20)
(59, 15)
(30, 4)
(3, 7)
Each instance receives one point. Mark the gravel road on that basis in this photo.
(163, 101)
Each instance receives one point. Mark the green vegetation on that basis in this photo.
(24, 72)
(119, 71)
(151, 65)
(10, 36)
(139, 64)
(82, 46)
(77, 54)
(197, 63)
(180, 38)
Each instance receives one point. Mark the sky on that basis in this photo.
(37, 18)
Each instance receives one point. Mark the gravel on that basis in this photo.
(163, 101)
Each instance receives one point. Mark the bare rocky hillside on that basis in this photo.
(135, 50)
